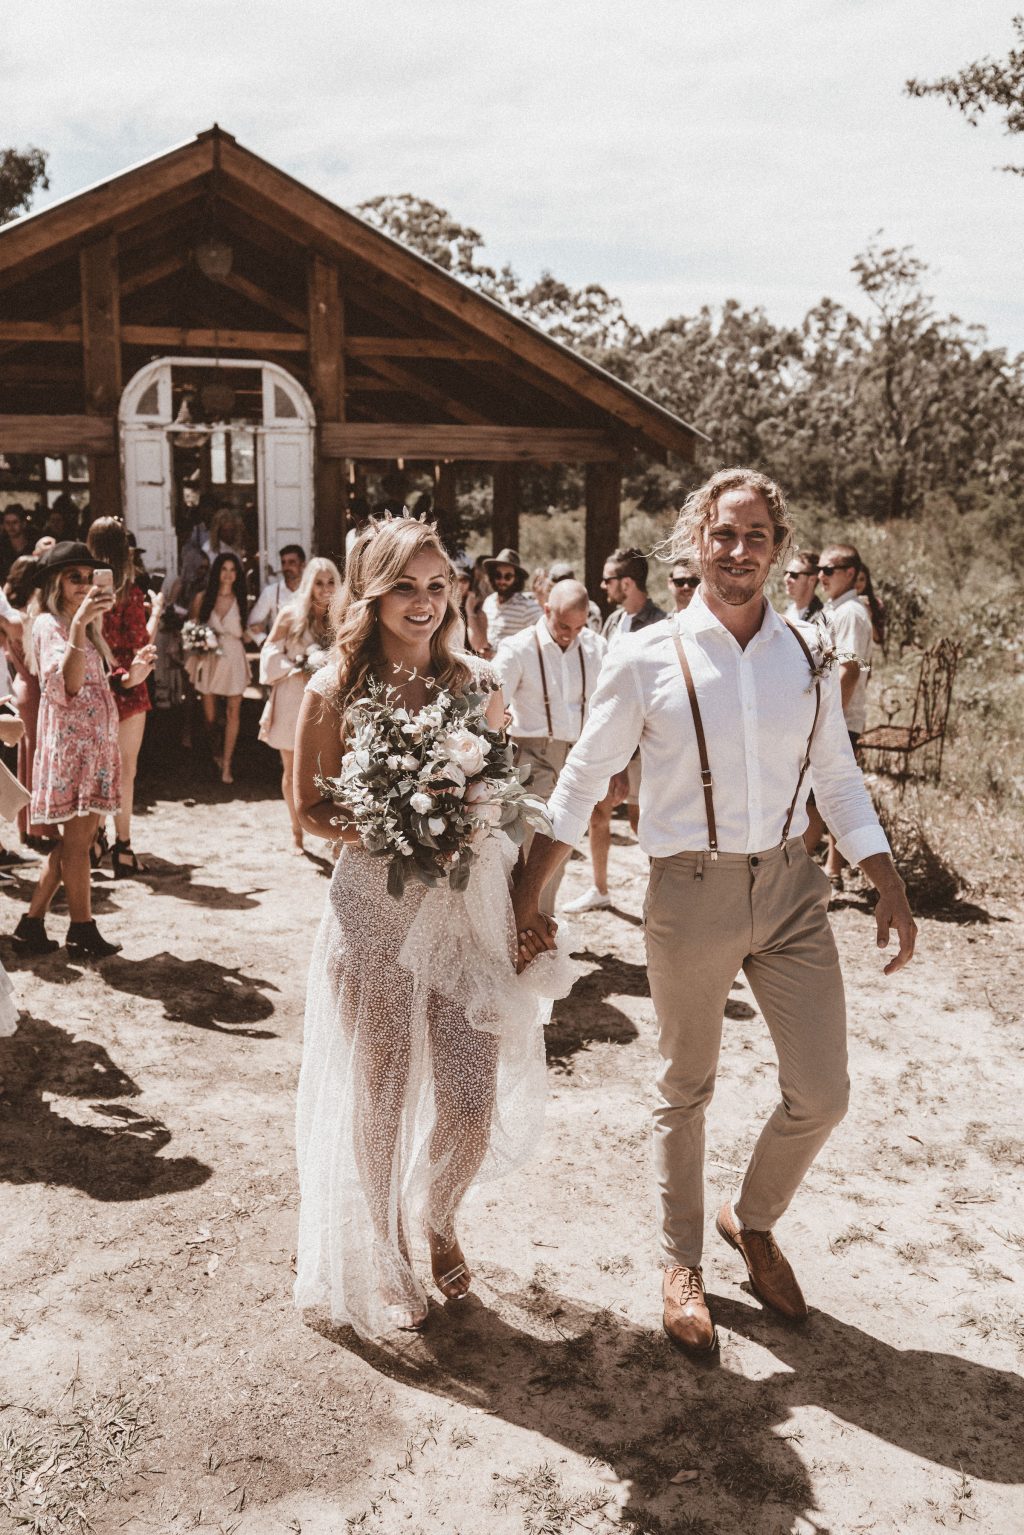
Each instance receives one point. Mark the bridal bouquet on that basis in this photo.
(425, 789)
(199, 639)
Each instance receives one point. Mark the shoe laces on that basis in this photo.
(691, 1279)
(771, 1247)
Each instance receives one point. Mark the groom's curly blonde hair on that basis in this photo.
(377, 560)
(697, 511)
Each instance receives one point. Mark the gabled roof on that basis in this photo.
(215, 163)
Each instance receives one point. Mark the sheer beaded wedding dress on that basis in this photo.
(423, 1073)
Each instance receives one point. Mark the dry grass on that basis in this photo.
(49, 1475)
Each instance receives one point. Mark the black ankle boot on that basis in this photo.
(30, 937)
(84, 938)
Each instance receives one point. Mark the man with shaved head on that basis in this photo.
(548, 674)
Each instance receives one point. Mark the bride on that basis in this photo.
(423, 1058)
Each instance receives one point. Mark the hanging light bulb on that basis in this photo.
(215, 258)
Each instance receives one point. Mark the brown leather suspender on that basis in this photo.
(702, 749)
(544, 686)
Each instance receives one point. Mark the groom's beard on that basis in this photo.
(734, 591)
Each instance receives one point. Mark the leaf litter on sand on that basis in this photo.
(49, 1475)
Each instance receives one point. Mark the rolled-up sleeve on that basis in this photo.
(839, 789)
(609, 739)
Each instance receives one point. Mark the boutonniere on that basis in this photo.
(824, 655)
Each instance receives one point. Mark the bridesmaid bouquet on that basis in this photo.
(199, 639)
(424, 790)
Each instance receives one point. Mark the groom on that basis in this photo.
(736, 716)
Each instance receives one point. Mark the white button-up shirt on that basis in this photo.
(570, 686)
(850, 623)
(756, 705)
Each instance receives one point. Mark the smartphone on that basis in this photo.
(103, 577)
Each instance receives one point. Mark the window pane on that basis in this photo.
(218, 458)
(55, 469)
(243, 456)
(149, 405)
(284, 406)
(78, 466)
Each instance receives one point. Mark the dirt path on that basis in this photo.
(154, 1372)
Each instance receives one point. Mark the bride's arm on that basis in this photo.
(318, 755)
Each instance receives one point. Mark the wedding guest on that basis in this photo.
(76, 773)
(684, 579)
(226, 535)
(801, 578)
(471, 605)
(224, 673)
(22, 581)
(16, 539)
(876, 608)
(126, 630)
(624, 583)
(726, 709)
(562, 570)
(547, 675)
(850, 624)
(278, 592)
(509, 607)
(297, 647)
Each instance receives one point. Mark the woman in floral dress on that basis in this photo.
(225, 673)
(76, 773)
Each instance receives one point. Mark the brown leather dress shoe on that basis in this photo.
(770, 1274)
(687, 1319)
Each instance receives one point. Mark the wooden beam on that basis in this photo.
(416, 346)
(446, 486)
(290, 313)
(58, 434)
(411, 383)
(480, 444)
(362, 383)
(326, 321)
(505, 513)
(101, 362)
(172, 336)
(175, 262)
(38, 373)
(40, 330)
(603, 494)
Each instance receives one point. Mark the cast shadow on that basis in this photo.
(175, 879)
(585, 1017)
(197, 992)
(119, 1161)
(606, 1388)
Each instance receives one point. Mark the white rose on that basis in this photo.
(466, 750)
(436, 824)
(422, 804)
(478, 793)
(410, 763)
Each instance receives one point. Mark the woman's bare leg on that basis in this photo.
(129, 741)
(76, 841)
(232, 720)
(48, 884)
(287, 764)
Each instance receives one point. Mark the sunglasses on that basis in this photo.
(795, 573)
(691, 581)
(830, 570)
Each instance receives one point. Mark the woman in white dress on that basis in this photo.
(225, 607)
(423, 1059)
(296, 647)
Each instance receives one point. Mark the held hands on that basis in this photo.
(534, 931)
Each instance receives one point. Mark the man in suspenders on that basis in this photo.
(737, 716)
(548, 673)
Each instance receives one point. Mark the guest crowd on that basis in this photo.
(89, 648)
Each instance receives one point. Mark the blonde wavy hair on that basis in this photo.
(697, 511)
(300, 609)
(376, 561)
(47, 600)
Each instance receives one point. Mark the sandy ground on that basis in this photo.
(154, 1375)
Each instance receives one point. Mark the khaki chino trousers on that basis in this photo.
(764, 914)
(546, 758)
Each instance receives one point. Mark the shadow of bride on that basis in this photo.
(117, 1160)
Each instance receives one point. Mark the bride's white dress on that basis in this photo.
(423, 1072)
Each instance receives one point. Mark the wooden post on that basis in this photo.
(101, 363)
(505, 514)
(603, 488)
(445, 486)
(327, 387)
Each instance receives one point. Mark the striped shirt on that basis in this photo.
(510, 617)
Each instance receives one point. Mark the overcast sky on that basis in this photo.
(678, 152)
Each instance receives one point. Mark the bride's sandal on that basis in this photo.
(452, 1279)
(403, 1307)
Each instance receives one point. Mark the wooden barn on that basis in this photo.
(205, 325)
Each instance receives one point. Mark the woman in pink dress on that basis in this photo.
(22, 580)
(224, 674)
(76, 773)
(126, 630)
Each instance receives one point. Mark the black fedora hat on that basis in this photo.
(68, 552)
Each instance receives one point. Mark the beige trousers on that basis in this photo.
(764, 914)
(546, 758)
